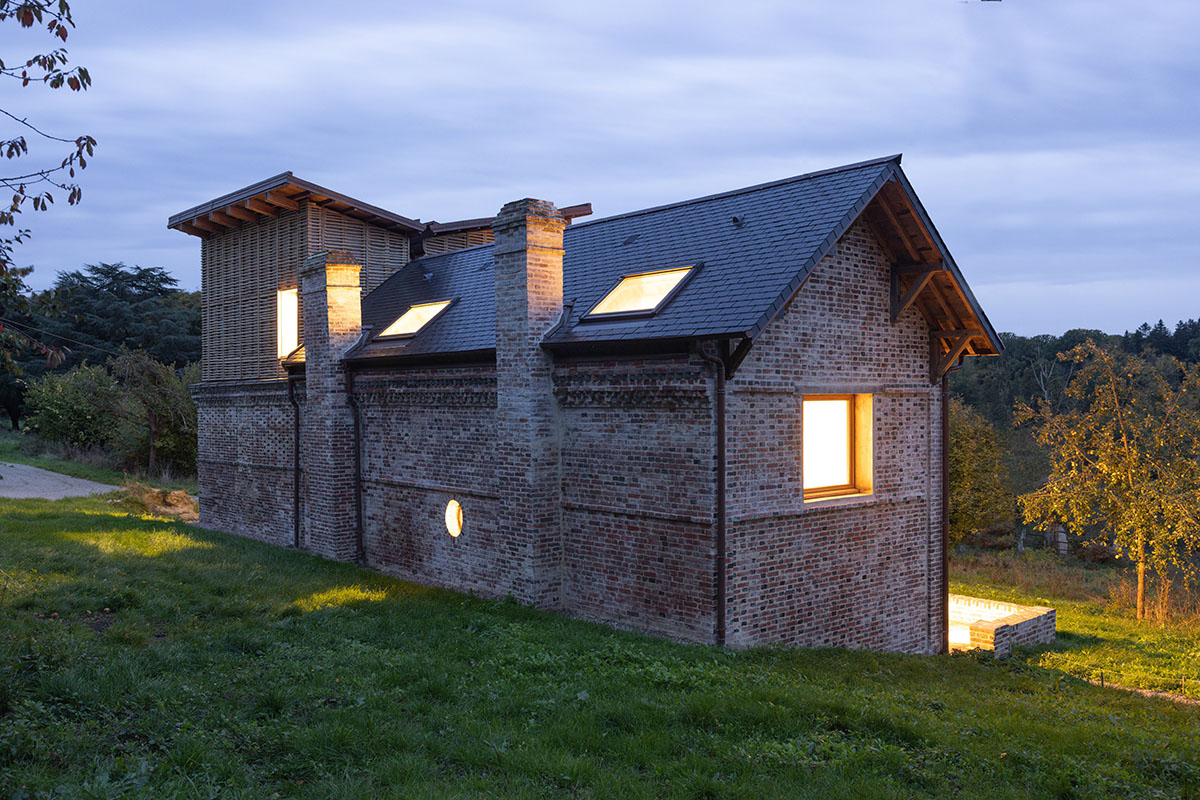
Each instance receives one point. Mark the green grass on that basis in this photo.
(227, 668)
(1096, 634)
(21, 448)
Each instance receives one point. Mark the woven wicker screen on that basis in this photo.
(380, 251)
(456, 241)
(241, 271)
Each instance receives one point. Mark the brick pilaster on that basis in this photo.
(528, 254)
(332, 302)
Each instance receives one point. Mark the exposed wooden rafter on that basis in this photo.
(210, 227)
(222, 218)
(281, 200)
(254, 204)
(242, 213)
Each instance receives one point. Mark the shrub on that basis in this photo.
(72, 407)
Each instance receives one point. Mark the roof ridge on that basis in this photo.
(745, 190)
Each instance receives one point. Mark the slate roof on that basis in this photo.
(469, 325)
(754, 247)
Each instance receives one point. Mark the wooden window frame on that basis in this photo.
(837, 490)
(592, 316)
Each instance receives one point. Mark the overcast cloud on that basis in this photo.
(1054, 144)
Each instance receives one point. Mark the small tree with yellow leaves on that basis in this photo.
(1125, 458)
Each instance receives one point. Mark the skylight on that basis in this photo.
(415, 318)
(640, 294)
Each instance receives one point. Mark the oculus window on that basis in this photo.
(836, 444)
(644, 293)
(287, 321)
(415, 318)
(454, 518)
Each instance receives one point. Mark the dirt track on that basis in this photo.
(19, 480)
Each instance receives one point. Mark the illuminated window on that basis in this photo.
(454, 518)
(287, 321)
(836, 445)
(415, 318)
(640, 294)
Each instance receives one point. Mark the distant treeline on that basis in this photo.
(1029, 369)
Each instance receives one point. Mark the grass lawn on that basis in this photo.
(226, 668)
(18, 448)
(1094, 637)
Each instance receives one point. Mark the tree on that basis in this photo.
(154, 402)
(979, 498)
(1125, 457)
(106, 307)
(35, 185)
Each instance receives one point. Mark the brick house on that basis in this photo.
(721, 420)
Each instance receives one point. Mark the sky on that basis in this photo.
(1054, 144)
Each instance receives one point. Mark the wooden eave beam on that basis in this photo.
(238, 212)
(952, 319)
(189, 228)
(224, 219)
(254, 204)
(873, 224)
(903, 235)
(281, 200)
(955, 334)
(939, 366)
(205, 225)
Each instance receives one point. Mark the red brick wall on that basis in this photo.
(638, 494)
(245, 460)
(631, 484)
(861, 572)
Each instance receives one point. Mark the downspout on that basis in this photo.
(945, 514)
(295, 460)
(360, 553)
(719, 566)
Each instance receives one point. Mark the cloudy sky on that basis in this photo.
(1053, 143)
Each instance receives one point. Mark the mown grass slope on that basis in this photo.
(226, 668)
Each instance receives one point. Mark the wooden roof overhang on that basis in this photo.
(272, 197)
(925, 277)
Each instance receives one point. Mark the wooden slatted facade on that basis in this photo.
(242, 268)
(456, 241)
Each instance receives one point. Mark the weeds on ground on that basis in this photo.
(91, 463)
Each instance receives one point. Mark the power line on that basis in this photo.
(22, 328)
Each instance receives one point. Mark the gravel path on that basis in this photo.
(19, 480)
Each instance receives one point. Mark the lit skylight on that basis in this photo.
(640, 294)
(415, 318)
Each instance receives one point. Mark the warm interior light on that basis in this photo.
(454, 518)
(414, 319)
(827, 443)
(640, 293)
(287, 320)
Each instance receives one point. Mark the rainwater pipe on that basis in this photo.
(721, 513)
(360, 553)
(295, 460)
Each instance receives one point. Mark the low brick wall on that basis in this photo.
(977, 624)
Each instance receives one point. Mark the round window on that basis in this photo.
(454, 518)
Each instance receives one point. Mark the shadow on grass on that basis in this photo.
(71, 556)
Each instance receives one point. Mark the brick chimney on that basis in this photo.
(332, 303)
(528, 256)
